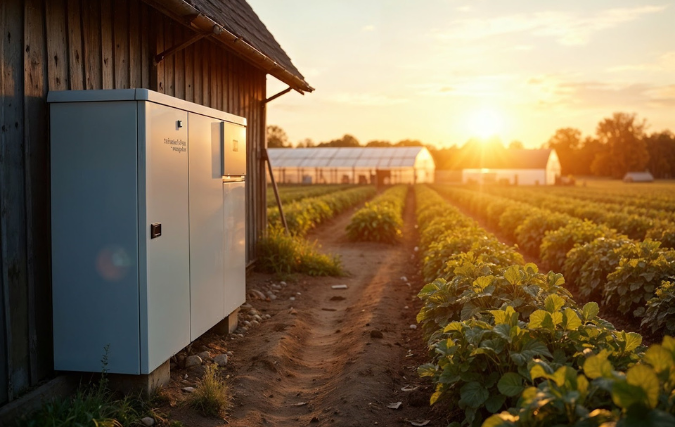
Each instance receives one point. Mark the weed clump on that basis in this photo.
(93, 404)
(211, 398)
(283, 255)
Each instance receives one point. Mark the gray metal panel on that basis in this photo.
(206, 224)
(94, 236)
(234, 195)
(407, 161)
(365, 162)
(397, 161)
(383, 162)
(170, 101)
(165, 298)
(322, 152)
(65, 96)
(233, 152)
(279, 163)
(105, 95)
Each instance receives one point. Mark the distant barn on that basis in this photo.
(352, 165)
(512, 166)
(638, 177)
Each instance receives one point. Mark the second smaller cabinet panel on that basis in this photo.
(233, 154)
(206, 224)
(235, 245)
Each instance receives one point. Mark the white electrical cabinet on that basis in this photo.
(148, 226)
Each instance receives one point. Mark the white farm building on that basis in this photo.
(352, 165)
(513, 166)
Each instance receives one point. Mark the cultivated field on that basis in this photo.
(291, 193)
(536, 300)
(429, 305)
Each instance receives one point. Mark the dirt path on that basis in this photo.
(330, 356)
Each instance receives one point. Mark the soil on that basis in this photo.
(333, 357)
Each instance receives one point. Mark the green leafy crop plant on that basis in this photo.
(660, 312)
(505, 337)
(380, 220)
(306, 214)
(640, 271)
(599, 393)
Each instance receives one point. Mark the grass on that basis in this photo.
(285, 255)
(211, 398)
(93, 404)
(90, 406)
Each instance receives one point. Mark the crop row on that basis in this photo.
(304, 215)
(380, 220)
(650, 198)
(597, 261)
(293, 193)
(616, 205)
(505, 339)
(636, 223)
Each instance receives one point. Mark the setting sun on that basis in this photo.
(485, 123)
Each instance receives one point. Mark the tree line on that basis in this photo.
(277, 138)
(620, 144)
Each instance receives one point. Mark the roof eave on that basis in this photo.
(186, 13)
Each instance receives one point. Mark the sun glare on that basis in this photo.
(485, 123)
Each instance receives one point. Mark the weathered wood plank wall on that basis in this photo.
(82, 44)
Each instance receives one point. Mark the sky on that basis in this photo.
(442, 71)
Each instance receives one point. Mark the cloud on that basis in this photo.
(555, 91)
(663, 96)
(476, 86)
(365, 99)
(664, 63)
(566, 28)
(434, 89)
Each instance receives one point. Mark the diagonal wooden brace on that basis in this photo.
(161, 56)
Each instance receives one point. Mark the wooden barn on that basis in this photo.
(216, 53)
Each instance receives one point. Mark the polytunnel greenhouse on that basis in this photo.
(352, 165)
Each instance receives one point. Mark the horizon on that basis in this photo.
(458, 70)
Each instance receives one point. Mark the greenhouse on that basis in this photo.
(352, 165)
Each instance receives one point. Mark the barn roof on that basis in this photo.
(502, 159)
(244, 32)
(638, 177)
(346, 157)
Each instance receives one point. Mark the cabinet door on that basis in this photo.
(235, 245)
(163, 169)
(94, 236)
(206, 224)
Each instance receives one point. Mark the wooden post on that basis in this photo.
(276, 192)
